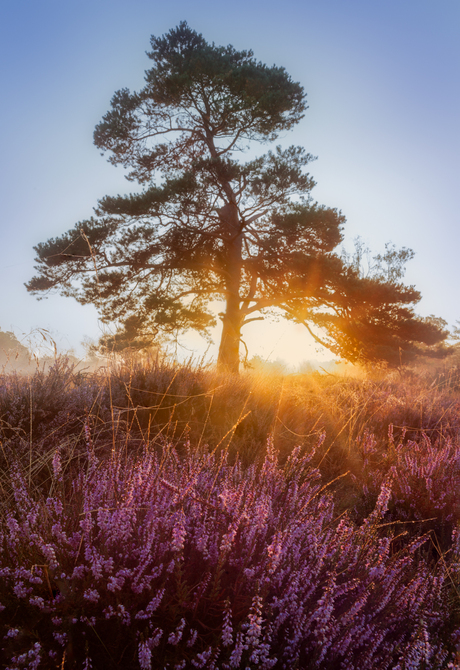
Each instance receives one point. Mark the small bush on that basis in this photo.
(182, 562)
(424, 480)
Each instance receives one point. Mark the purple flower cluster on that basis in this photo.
(193, 562)
(424, 479)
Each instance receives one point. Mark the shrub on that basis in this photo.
(166, 561)
(424, 479)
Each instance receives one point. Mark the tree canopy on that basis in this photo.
(208, 225)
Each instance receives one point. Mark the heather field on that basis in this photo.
(156, 516)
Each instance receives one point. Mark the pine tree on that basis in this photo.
(208, 226)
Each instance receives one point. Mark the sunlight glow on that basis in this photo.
(281, 341)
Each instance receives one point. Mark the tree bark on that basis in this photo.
(232, 320)
(229, 349)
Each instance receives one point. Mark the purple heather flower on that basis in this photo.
(60, 637)
(203, 658)
(92, 595)
(192, 639)
(37, 601)
(174, 638)
(237, 653)
(227, 628)
(145, 656)
(79, 572)
(20, 590)
(154, 641)
(254, 630)
(179, 533)
(57, 467)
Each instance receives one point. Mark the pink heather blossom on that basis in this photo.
(227, 628)
(92, 595)
(237, 653)
(179, 533)
(57, 467)
(145, 656)
(192, 639)
(202, 659)
(174, 638)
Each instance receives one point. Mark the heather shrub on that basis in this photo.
(424, 479)
(45, 406)
(182, 561)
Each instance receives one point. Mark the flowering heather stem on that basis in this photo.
(163, 561)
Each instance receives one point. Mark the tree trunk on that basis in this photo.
(229, 349)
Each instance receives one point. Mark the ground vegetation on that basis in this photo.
(165, 516)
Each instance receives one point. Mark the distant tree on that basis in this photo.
(11, 349)
(456, 331)
(208, 226)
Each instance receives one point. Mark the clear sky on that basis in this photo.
(383, 86)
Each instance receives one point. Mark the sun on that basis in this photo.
(284, 341)
(273, 341)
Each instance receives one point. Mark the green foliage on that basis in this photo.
(209, 226)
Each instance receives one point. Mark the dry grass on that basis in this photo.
(152, 402)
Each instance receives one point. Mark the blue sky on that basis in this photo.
(383, 85)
